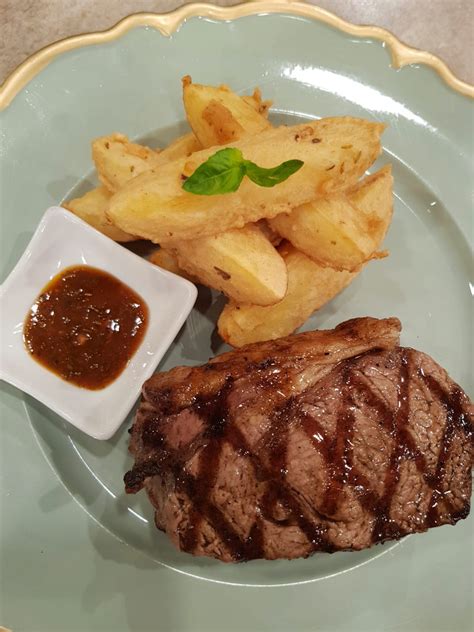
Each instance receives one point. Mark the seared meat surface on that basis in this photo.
(322, 441)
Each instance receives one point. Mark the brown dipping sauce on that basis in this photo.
(85, 326)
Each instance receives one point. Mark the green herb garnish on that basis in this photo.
(224, 171)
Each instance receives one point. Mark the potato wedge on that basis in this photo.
(218, 116)
(91, 208)
(273, 237)
(182, 147)
(255, 100)
(373, 197)
(344, 230)
(336, 152)
(117, 160)
(310, 286)
(241, 263)
(164, 258)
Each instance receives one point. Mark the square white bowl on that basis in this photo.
(60, 241)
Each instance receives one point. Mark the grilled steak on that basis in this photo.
(322, 441)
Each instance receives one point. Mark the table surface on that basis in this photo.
(443, 27)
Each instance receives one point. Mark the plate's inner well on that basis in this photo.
(428, 252)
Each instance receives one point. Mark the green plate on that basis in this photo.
(77, 553)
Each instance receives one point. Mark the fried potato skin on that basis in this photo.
(241, 263)
(91, 208)
(164, 258)
(343, 230)
(182, 147)
(273, 237)
(218, 116)
(255, 101)
(117, 160)
(373, 197)
(310, 286)
(155, 206)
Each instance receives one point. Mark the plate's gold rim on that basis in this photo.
(167, 23)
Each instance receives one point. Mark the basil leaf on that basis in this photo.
(270, 177)
(221, 173)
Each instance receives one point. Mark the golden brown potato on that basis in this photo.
(310, 286)
(117, 160)
(273, 237)
(336, 152)
(373, 197)
(164, 258)
(241, 263)
(344, 230)
(91, 208)
(218, 116)
(255, 100)
(182, 147)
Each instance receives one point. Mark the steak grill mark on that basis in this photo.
(271, 461)
(455, 417)
(200, 488)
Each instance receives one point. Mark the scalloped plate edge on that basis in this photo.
(168, 23)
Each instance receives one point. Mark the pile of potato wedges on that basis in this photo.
(277, 253)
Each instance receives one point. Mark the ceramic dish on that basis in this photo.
(60, 241)
(76, 521)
